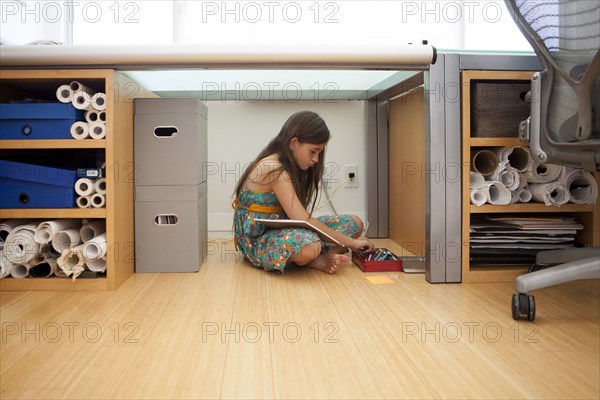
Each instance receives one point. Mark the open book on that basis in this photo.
(296, 223)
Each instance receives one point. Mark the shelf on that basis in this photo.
(53, 283)
(53, 144)
(49, 213)
(530, 207)
(496, 142)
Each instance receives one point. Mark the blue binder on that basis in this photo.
(36, 186)
(37, 120)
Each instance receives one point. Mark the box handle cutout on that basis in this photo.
(166, 131)
(166, 219)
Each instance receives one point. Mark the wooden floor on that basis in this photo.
(233, 331)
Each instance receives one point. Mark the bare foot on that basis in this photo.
(328, 262)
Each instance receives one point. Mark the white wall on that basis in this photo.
(237, 131)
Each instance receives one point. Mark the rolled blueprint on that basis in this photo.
(95, 249)
(84, 201)
(484, 161)
(102, 116)
(98, 130)
(498, 194)
(551, 194)
(477, 180)
(82, 100)
(84, 186)
(92, 229)
(99, 101)
(7, 227)
(46, 230)
(506, 174)
(480, 195)
(44, 269)
(100, 185)
(20, 271)
(6, 265)
(65, 240)
(77, 86)
(521, 195)
(581, 185)
(517, 157)
(71, 262)
(543, 173)
(64, 94)
(96, 265)
(80, 130)
(20, 246)
(98, 200)
(91, 116)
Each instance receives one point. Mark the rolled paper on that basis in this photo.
(99, 101)
(92, 116)
(81, 100)
(525, 195)
(479, 196)
(477, 180)
(543, 173)
(20, 246)
(20, 271)
(65, 240)
(84, 186)
(102, 116)
(7, 227)
(95, 248)
(64, 94)
(91, 230)
(581, 185)
(551, 194)
(44, 269)
(80, 130)
(71, 262)
(96, 265)
(498, 194)
(98, 130)
(98, 200)
(46, 230)
(84, 201)
(518, 158)
(100, 186)
(484, 161)
(507, 175)
(77, 86)
(6, 265)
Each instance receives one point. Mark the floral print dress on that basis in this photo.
(270, 248)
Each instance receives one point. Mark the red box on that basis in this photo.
(359, 259)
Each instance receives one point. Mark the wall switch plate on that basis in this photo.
(351, 170)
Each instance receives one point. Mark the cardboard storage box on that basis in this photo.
(497, 108)
(36, 186)
(37, 120)
(170, 228)
(170, 137)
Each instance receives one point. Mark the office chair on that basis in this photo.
(565, 34)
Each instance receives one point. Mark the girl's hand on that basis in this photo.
(363, 244)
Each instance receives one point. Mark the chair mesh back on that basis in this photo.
(566, 33)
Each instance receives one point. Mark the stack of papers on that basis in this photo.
(516, 240)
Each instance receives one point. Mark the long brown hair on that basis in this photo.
(307, 127)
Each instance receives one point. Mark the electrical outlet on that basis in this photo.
(351, 172)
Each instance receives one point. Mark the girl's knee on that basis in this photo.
(360, 224)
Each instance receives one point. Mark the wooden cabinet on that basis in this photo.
(117, 151)
(589, 215)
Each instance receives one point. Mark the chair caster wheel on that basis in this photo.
(523, 305)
